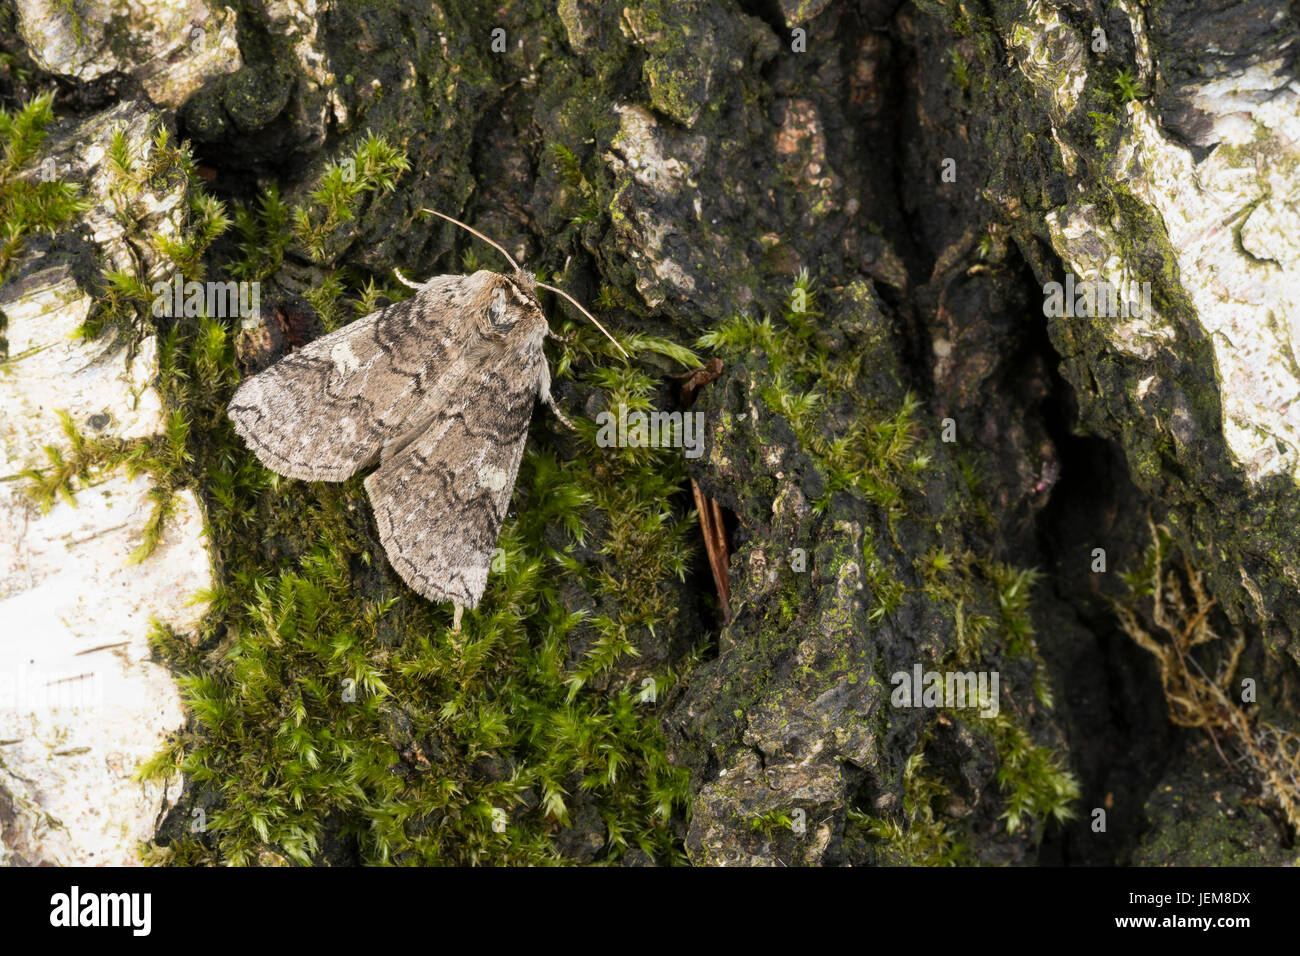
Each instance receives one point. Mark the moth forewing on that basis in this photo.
(325, 411)
(440, 500)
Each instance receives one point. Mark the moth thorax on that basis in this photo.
(527, 283)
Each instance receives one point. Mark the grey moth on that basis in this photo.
(438, 391)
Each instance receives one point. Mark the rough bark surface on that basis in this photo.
(858, 208)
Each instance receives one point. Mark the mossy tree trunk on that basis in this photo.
(856, 206)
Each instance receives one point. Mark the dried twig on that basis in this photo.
(712, 524)
(697, 378)
(715, 546)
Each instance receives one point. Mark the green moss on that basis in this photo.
(265, 231)
(30, 202)
(1125, 88)
(1103, 128)
(874, 455)
(887, 592)
(959, 70)
(1035, 780)
(126, 304)
(80, 462)
(374, 167)
(920, 837)
(773, 821)
(126, 299)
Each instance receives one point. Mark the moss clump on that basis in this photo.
(126, 298)
(580, 193)
(1014, 589)
(807, 380)
(126, 305)
(1125, 87)
(30, 202)
(85, 459)
(79, 463)
(921, 838)
(1035, 780)
(374, 166)
(773, 821)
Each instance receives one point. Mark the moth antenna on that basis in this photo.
(405, 281)
(578, 306)
(542, 285)
(514, 265)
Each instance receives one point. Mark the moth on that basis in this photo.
(438, 391)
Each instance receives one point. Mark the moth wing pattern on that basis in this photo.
(327, 410)
(439, 502)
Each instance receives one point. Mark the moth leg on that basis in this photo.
(455, 619)
(405, 281)
(545, 397)
(558, 337)
(550, 403)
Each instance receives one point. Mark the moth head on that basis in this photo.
(526, 284)
(509, 308)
